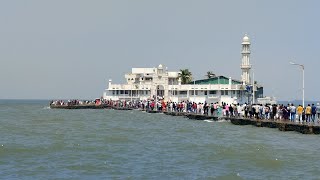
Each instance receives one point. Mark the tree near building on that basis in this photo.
(185, 75)
(210, 74)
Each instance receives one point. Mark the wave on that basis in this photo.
(207, 121)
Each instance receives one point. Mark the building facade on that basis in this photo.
(159, 83)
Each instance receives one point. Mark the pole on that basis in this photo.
(156, 103)
(302, 66)
(253, 93)
(302, 85)
(194, 91)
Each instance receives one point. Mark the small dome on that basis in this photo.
(160, 66)
(245, 38)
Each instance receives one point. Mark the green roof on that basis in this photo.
(215, 80)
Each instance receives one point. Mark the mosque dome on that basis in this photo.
(246, 38)
(160, 66)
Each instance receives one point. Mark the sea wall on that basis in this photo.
(303, 128)
(192, 116)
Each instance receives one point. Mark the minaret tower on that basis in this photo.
(245, 66)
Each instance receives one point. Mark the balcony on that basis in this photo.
(245, 52)
(129, 87)
(246, 66)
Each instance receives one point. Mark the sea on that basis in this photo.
(37, 142)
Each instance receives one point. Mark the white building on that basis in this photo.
(151, 83)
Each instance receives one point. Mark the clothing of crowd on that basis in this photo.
(289, 112)
(72, 102)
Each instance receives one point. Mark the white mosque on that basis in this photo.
(152, 83)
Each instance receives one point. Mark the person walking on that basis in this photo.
(226, 108)
(267, 111)
(231, 110)
(246, 110)
(308, 113)
(274, 112)
(293, 113)
(279, 111)
(211, 109)
(313, 112)
(239, 110)
(300, 111)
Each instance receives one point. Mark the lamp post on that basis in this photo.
(253, 88)
(302, 67)
(156, 103)
(131, 94)
(194, 91)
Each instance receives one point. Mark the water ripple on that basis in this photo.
(42, 143)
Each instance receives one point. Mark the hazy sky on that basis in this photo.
(70, 48)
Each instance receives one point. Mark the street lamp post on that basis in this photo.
(253, 88)
(302, 67)
(156, 103)
(194, 91)
(131, 94)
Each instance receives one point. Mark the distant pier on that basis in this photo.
(89, 106)
(82, 106)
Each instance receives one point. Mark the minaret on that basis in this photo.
(245, 66)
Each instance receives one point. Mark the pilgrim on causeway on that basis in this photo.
(176, 86)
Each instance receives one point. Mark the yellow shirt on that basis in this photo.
(308, 110)
(300, 109)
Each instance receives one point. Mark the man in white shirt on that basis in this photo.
(292, 113)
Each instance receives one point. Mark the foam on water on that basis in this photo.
(208, 121)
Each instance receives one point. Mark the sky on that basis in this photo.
(70, 49)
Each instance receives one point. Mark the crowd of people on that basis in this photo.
(289, 112)
(73, 102)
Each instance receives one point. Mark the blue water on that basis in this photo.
(41, 143)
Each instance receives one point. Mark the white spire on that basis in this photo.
(245, 39)
(245, 66)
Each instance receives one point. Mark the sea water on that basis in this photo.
(42, 143)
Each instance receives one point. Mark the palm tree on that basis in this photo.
(185, 75)
(210, 75)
